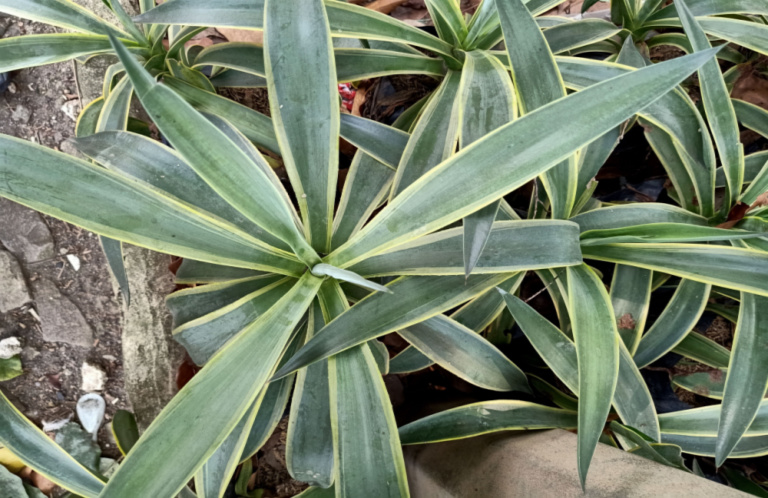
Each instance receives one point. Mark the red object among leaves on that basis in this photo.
(347, 93)
(187, 370)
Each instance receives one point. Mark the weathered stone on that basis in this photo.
(543, 464)
(93, 377)
(151, 357)
(9, 347)
(61, 320)
(24, 233)
(14, 291)
(21, 114)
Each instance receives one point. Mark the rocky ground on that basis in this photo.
(57, 298)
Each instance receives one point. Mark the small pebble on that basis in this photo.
(74, 261)
(9, 347)
(94, 377)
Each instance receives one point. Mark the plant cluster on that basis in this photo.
(424, 240)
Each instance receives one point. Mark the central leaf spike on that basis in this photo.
(324, 270)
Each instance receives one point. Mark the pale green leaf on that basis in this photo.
(597, 349)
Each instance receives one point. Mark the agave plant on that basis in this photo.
(296, 298)
(647, 242)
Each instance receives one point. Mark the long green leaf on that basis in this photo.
(366, 187)
(36, 50)
(717, 103)
(631, 399)
(229, 171)
(150, 162)
(203, 336)
(571, 35)
(512, 155)
(449, 20)
(751, 35)
(484, 21)
(253, 124)
(434, 138)
(355, 64)
(368, 182)
(747, 376)
(663, 146)
(703, 350)
(367, 451)
(62, 13)
(538, 82)
(37, 450)
(488, 101)
(644, 448)
(704, 421)
(128, 211)
(751, 116)
(205, 409)
(466, 354)
(198, 272)
(734, 268)
(413, 299)
(674, 323)
(194, 302)
(475, 315)
(113, 251)
(705, 446)
(323, 270)
(382, 142)
(597, 349)
(408, 361)
(753, 166)
(212, 479)
(272, 408)
(114, 113)
(303, 98)
(484, 417)
(512, 246)
(663, 232)
(593, 157)
(637, 214)
(309, 441)
(631, 299)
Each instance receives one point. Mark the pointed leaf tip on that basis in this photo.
(324, 270)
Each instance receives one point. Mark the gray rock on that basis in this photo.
(9, 347)
(94, 378)
(150, 355)
(14, 292)
(61, 320)
(21, 114)
(23, 232)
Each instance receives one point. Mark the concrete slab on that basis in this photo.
(543, 464)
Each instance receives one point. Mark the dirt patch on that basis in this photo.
(721, 331)
(269, 464)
